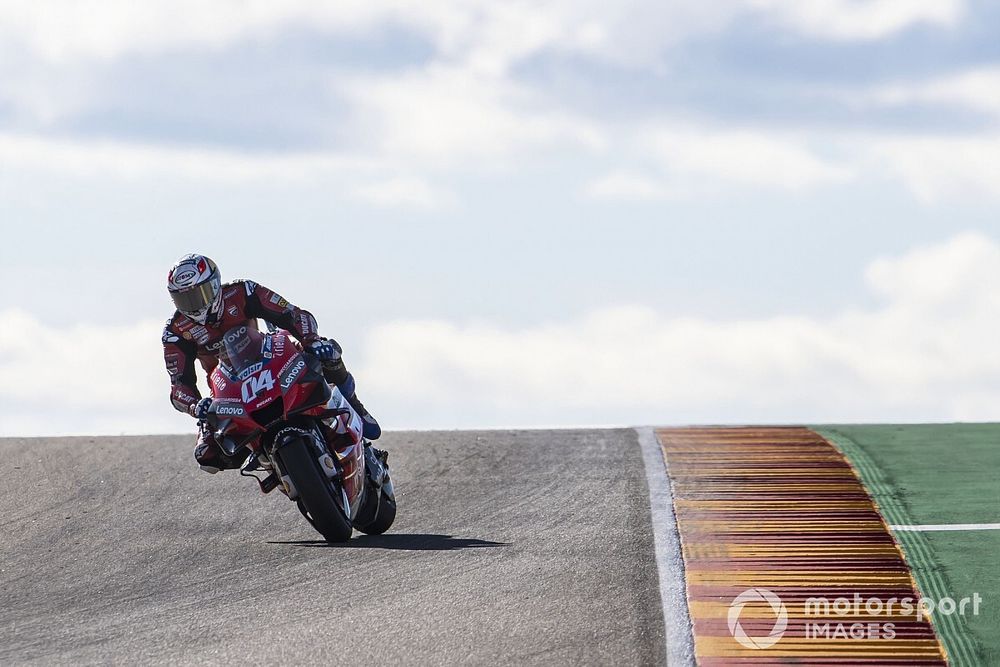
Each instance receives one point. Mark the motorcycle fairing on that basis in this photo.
(271, 380)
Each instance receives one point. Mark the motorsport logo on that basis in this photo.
(758, 618)
(757, 597)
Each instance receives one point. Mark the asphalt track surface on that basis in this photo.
(510, 547)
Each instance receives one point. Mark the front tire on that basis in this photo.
(315, 494)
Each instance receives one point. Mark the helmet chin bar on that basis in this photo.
(214, 311)
(211, 312)
(201, 316)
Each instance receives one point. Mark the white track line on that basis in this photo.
(931, 527)
(669, 562)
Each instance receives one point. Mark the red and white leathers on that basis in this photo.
(184, 340)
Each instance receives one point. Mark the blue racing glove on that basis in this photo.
(200, 409)
(324, 349)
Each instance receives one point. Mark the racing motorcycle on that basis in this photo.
(272, 403)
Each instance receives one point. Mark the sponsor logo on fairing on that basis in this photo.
(234, 311)
(293, 374)
(231, 337)
(219, 383)
(247, 372)
(234, 334)
(229, 410)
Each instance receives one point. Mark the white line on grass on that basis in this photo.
(669, 562)
(931, 527)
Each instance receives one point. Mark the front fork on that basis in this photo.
(334, 463)
(277, 479)
(259, 460)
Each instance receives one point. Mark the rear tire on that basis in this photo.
(383, 520)
(314, 489)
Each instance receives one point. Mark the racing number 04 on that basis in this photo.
(255, 384)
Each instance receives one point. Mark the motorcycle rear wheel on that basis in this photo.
(383, 520)
(315, 492)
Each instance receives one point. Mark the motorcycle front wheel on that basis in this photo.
(315, 491)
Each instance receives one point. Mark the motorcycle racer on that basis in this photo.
(206, 309)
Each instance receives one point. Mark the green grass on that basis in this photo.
(933, 474)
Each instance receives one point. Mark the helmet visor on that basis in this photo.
(196, 298)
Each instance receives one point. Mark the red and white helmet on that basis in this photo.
(196, 288)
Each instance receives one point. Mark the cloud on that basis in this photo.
(417, 152)
(677, 160)
(936, 168)
(447, 115)
(688, 160)
(360, 177)
(743, 157)
(961, 272)
(976, 89)
(492, 35)
(62, 30)
(88, 378)
(926, 353)
(465, 107)
(864, 20)
(118, 159)
(627, 186)
(403, 192)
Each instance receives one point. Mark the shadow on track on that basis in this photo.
(408, 542)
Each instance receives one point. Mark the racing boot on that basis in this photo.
(209, 454)
(375, 463)
(371, 430)
(338, 375)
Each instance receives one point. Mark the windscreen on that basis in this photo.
(243, 347)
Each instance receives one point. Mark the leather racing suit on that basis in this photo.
(184, 341)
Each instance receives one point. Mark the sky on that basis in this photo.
(517, 214)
